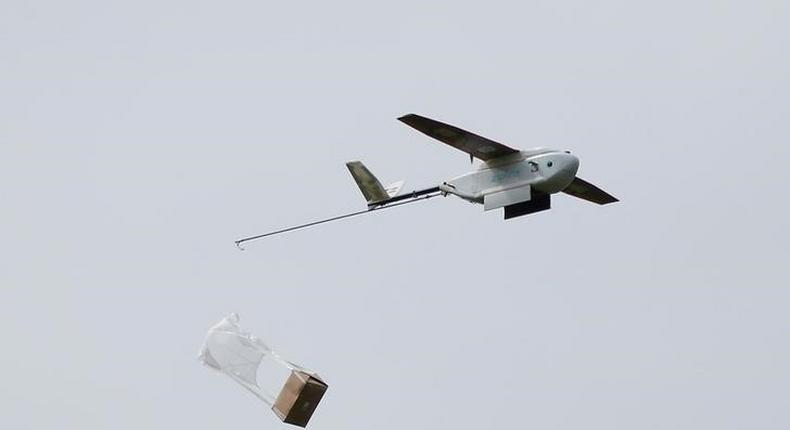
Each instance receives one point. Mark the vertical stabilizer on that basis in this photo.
(370, 186)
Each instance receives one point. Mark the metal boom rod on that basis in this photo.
(414, 196)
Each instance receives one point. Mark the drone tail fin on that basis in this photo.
(371, 188)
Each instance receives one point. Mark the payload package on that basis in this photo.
(254, 365)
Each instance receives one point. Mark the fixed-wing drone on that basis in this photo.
(520, 181)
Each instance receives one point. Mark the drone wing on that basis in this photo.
(472, 144)
(587, 191)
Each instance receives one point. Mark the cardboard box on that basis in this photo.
(299, 397)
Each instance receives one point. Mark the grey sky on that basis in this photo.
(138, 140)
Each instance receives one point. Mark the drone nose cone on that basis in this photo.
(560, 170)
(571, 164)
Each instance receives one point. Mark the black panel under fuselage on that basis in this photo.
(539, 202)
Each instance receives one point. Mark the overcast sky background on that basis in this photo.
(139, 140)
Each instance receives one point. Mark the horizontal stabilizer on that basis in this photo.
(539, 202)
(587, 191)
(394, 188)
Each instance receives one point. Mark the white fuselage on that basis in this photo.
(545, 170)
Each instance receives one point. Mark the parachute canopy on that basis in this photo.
(244, 358)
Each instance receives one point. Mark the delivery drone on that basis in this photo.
(520, 181)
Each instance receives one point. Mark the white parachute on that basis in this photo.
(243, 357)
